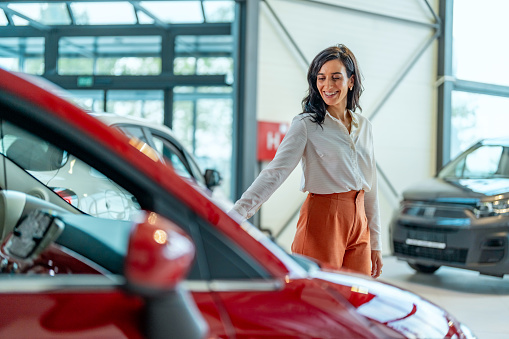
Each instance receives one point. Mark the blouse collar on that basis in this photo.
(355, 120)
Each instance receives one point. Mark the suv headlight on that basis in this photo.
(492, 208)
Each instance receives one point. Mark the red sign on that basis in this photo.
(270, 135)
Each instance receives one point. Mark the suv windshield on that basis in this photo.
(483, 162)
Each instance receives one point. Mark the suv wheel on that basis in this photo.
(427, 269)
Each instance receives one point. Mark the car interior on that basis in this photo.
(96, 238)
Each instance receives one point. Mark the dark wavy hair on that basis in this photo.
(313, 102)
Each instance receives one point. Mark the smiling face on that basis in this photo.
(333, 84)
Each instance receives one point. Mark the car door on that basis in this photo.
(260, 305)
(36, 306)
(42, 299)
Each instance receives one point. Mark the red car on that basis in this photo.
(244, 285)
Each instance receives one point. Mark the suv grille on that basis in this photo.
(453, 255)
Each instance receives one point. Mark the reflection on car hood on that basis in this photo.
(400, 310)
(459, 190)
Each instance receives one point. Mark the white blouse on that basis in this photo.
(333, 161)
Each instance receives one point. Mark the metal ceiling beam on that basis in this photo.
(369, 13)
(70, 82)
(81, 1)
(14, 52)
(120, 30)
(30, 21)
(288, 36)
(71, 14)
(157, 21)
(481, 88)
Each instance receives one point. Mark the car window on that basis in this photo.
(198, 174)
(76, 182)
(177, 155)
(89, 190)
(484, 162)
(134, 131)
(172, 155)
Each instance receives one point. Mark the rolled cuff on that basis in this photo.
(375, 240)
(238, 212)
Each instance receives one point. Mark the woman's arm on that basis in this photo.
(371, 204)
(287, 157)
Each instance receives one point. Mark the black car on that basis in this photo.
(460, 218)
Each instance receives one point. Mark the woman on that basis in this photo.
(339, 223)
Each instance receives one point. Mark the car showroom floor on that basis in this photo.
(481, 302)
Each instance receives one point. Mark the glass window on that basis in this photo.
(120, 55)
(144, 19)
(203, 55)
(219, 11)
(72, 179)
(214, 89)
(214, 127)
(175, 11)
(203, 122)
(483, 162)
(183, 125)
(3, 18)
(128, 66)
(22, 54)
(478, 54)
(184, 66)
(103, 13)
(172, 155)
(75, 65)
(11, 64)
(141, 104)
(91, 100)
(133, 132)
(34, 66)
(45, 13)
(18, 21)
(221, 65)
(476, 117)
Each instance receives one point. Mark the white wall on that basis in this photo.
(405, 125)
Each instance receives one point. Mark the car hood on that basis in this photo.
(390, 306)
(469, 190)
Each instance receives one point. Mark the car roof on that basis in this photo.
(503, 141)
(114, 119)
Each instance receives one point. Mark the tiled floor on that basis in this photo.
(481, 302)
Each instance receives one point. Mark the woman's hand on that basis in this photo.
(376, 263)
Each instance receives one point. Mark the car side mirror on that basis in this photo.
(159, 255)
(212, 178)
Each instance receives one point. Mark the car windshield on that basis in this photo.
(481, 162)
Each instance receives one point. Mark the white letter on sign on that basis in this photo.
(273, 140)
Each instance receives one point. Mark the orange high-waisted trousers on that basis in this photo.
(333, 229)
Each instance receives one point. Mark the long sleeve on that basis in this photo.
(372, 209)
(287, 157)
